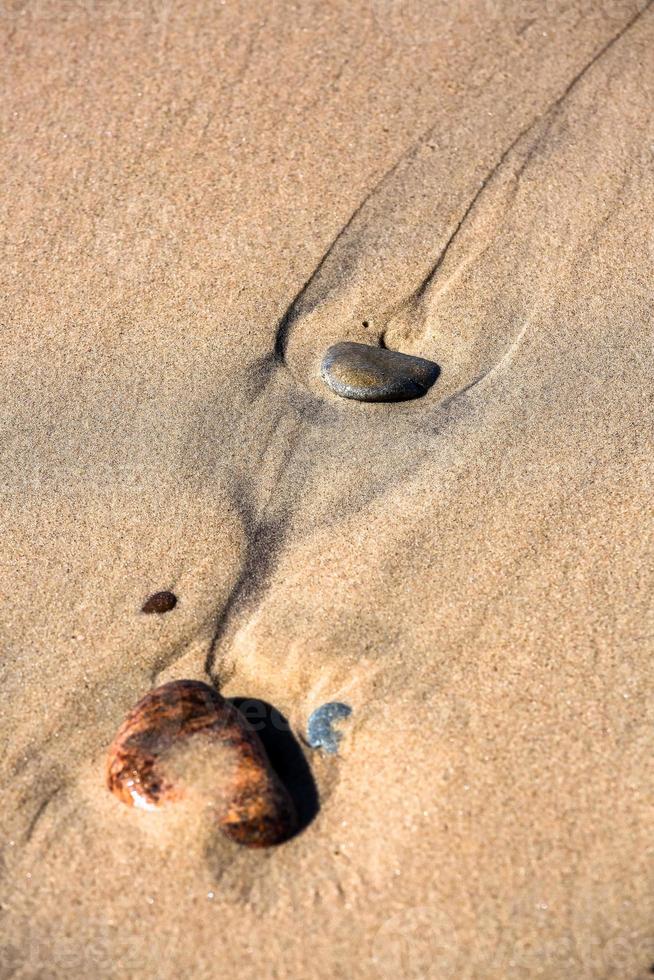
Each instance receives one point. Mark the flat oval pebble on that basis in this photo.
(160, 602)
(185, 728)
(374, 374)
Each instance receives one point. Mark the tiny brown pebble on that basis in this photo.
(251, 805)
(160, 602)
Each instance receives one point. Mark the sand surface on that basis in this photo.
(198, 199)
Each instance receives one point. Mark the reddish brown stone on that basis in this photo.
(253, 808)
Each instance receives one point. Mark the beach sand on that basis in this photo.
(199, 199)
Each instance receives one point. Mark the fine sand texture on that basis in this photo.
(199, 198)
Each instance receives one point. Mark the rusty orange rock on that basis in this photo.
(251, 805)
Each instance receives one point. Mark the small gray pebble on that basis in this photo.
(320, 733)
(374, 374)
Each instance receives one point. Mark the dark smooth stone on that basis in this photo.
(374, 374)
(160, 602)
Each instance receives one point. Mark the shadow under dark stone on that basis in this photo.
(285, 755)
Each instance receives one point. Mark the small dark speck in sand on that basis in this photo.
(160, 602)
